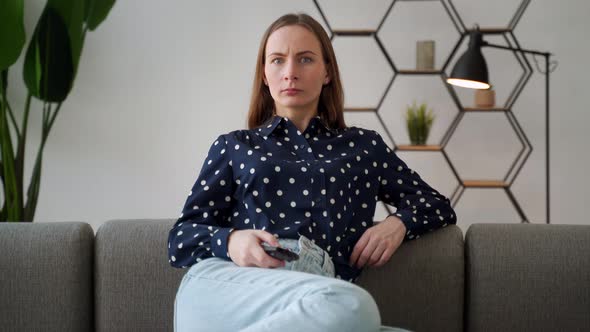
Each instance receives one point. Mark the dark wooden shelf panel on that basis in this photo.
(485, 184)
(493, 30)
(353, 32)
(485, 109)
(359, 109)
(419, 147)
(419, 72)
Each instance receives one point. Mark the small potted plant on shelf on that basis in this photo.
(419, 121)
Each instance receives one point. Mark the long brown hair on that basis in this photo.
(331, 103)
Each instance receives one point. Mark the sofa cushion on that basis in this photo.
(421, 287)
(46, 278)
(527, 277)
(135, 286)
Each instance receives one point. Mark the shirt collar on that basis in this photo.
(267, 128)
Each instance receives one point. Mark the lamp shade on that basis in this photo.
(471, 70)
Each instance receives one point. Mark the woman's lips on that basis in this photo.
(291, 92)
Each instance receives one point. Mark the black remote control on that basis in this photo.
(280, 253)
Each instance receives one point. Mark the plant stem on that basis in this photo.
(34, 186)
(20, 153)
(11, 210)
(12, 119)
(2, 101)
(53, 117)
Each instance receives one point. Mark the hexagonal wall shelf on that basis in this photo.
(376, 108)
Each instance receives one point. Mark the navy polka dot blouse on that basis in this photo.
(323, 183)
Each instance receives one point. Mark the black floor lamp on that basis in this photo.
(471, 71)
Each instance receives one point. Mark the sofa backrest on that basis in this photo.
(46, 276)
(527, 277)
(135, 286)
(421, 288)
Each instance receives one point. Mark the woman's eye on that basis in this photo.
(305, 60)
(276, 60)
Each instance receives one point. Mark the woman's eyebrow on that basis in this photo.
(298, 53)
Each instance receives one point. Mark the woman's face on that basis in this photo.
(294, 68)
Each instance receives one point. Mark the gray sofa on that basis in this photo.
(60, 276)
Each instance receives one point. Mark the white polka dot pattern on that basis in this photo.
(323, 183)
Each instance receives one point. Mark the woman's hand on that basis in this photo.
(245, 249)
(378, 243)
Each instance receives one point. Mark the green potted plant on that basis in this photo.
(50, 66)
(419, 121)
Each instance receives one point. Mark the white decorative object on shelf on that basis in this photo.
(425, 55)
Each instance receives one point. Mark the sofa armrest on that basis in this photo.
(46, 276)
(421, 287)
(527, 277)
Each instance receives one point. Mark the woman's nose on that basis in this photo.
(290, 71)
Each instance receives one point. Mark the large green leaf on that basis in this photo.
(49, 66)
(12, 31)
(97, 11)
(49, 70)
(72, 14)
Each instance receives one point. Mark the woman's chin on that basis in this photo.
(294, 102)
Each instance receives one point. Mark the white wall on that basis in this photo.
(158, 81)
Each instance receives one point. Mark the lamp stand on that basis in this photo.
(547, 71)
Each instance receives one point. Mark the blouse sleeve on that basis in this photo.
(202, 229)
(420, 207)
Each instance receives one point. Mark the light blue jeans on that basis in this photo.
(218, 295)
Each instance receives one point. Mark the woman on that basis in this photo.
(299, 179)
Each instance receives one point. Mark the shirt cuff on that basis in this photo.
(410, 221)
(219, 242)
